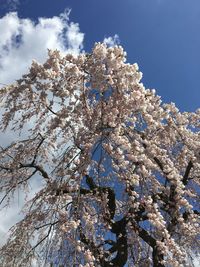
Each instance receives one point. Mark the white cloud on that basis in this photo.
(23, 40)
(112, 40)
(193, 259)
(196, 261)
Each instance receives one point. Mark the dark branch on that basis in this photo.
(13, 187)
(187, 172)
(157, 255)
(37, 168)
(37, 149)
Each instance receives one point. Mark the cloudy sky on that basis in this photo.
(162, 36)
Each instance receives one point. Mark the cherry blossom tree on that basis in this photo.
(120, 169)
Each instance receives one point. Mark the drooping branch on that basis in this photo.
(13, 187)
(37, 149)
(117, 227)
(157, 255)
(103, 190)
(38, 168)
(187, 172)
(120, 247)
(45, 237)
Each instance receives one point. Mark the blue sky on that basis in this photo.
(162, 36)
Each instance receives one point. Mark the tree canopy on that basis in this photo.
(120, 169)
